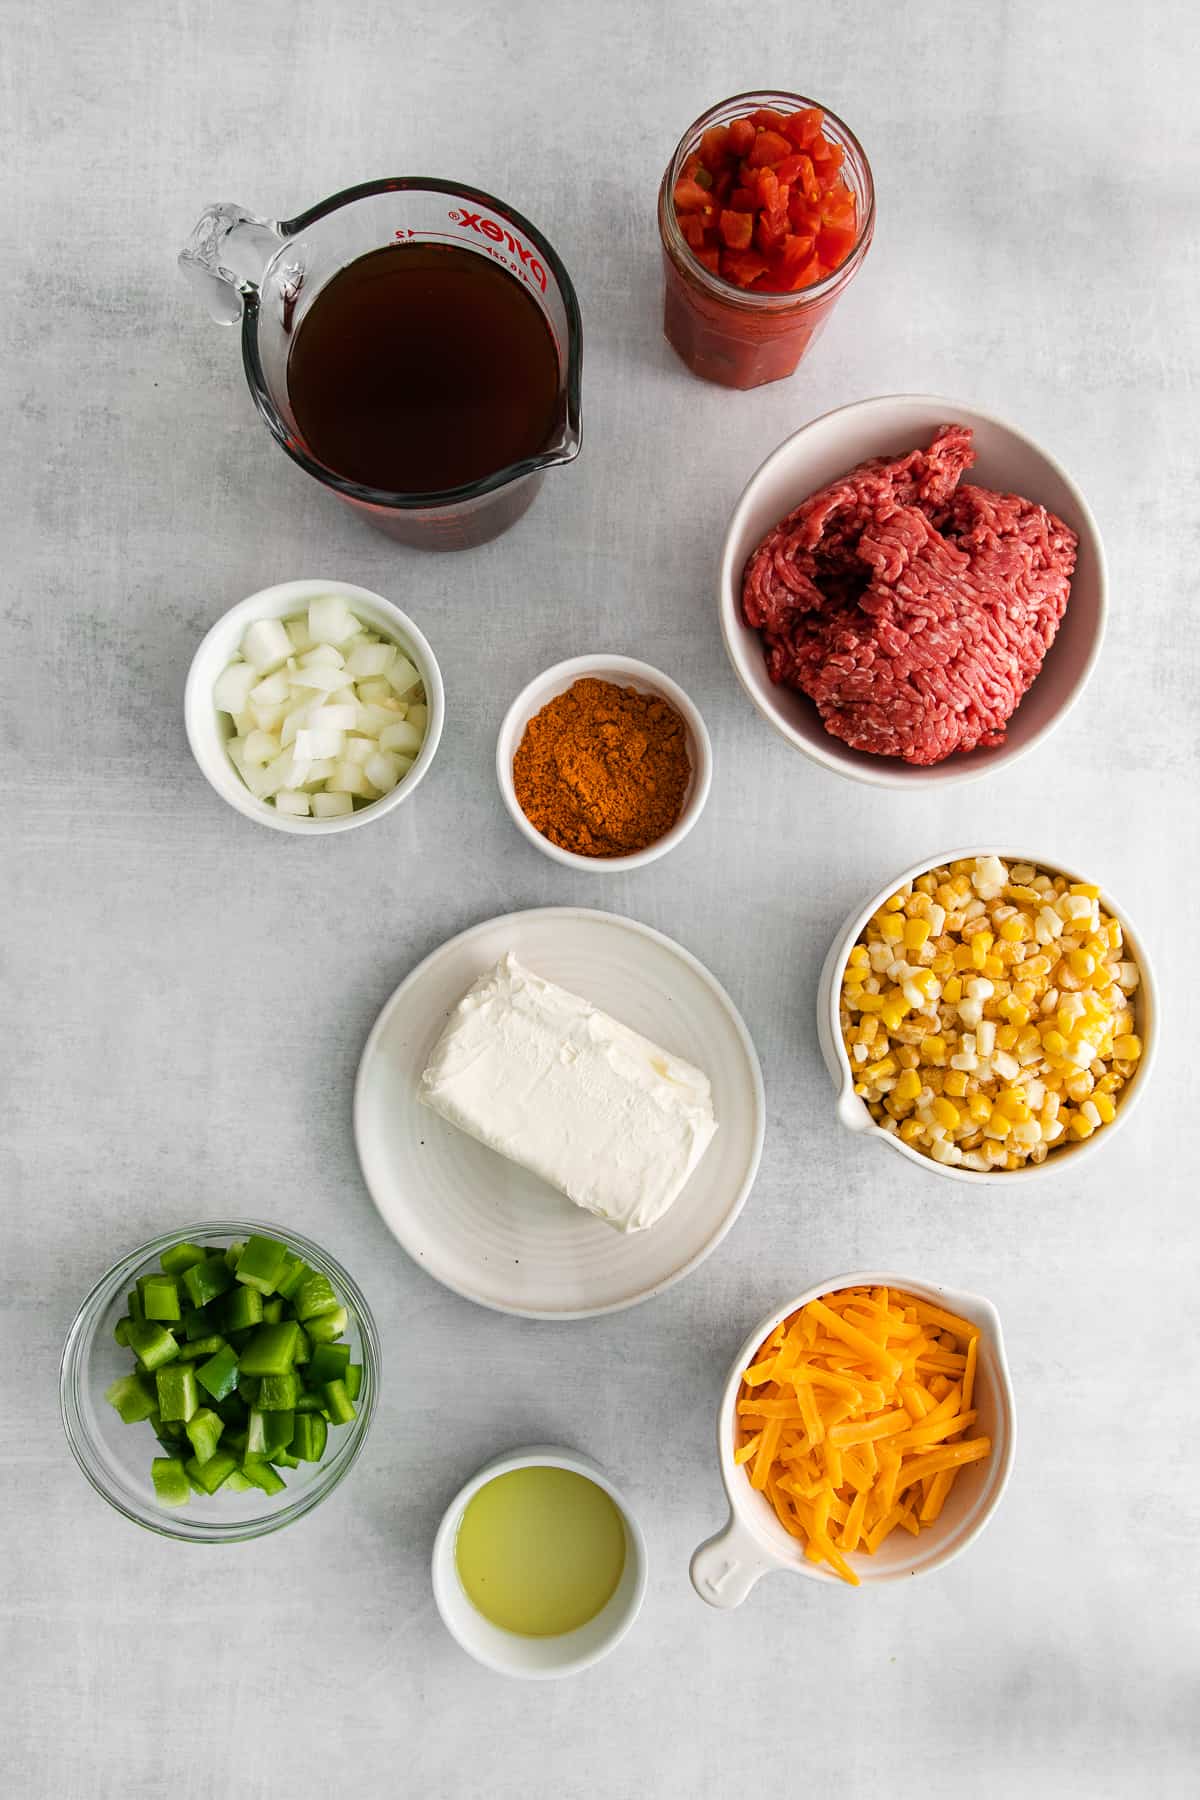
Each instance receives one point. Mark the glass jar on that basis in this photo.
(733, 335)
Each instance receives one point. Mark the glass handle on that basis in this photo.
(225, 256)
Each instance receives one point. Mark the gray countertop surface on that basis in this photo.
(186, 995)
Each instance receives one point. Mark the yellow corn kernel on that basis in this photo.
(1006, 1037)
(868, 1030)
(915, 933)
(894, 903)
(877, 1070)
(1127, 1049)
(1081, 963)
(908, 1086)
(893, 1012)
(955, 1084)
(997, 1126)
(933, 1049)
(1086, 889)
(1053, 1041)
(1013, 930)
(859, 957)
(1012, 1104)
(891, 928)
(943, 963)
(1104, 1106)
(946, 1113)
(1080, 1127)
(1109, 1084)
(911, 1130)
(854, 977)
(979, 1107)
(1014, 1011)
(952, 991)
(871, 1003)
(993, 966)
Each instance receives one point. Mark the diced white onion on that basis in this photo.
(329, 806)
(330, 620)
(266, 645)
(295, 692)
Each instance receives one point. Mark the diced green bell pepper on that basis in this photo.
(200, 1322)
(338, 1403)
(204, 1428)
(219, 1375)
(203, 1347)
(353, 1379)
(309, 1437)
(261, 1263)
(238, 1482)
(231, 1255)
(262, 1475)
(267, 1432)
(272, 1310)
(327, 1326)
(177, 1396)
(121, 1332)
(270, 1350)
(234, 1440)
(182, 1256)
(239, 1339)
(160, 1297)
(151, 1343)
(241, 1309)
(293, 1273)
(328, 1363)
(133, 1306)
(205, 1280)
(278, 1393)
(134, 1397)
(214, 1472)
(283, 1459)
(170, 1480)
(313, 1297)
(310, 1401)
(232, 1409)
(247, 1387)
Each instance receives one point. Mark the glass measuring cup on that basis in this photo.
(268, 272)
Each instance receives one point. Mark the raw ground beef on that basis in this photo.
(914, 611)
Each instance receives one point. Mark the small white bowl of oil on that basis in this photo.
(539, 1567)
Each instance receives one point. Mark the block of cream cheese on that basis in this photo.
(559, 1087)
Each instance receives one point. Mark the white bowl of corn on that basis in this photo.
(988, 1014)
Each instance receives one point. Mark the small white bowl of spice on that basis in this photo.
(604, 763)
(314, 706)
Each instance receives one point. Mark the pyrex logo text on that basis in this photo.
(488, 228)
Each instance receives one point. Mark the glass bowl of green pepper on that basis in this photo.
(220, 1380)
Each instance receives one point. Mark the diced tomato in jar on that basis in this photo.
(761, 201)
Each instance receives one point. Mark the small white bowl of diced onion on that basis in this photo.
(314, 706)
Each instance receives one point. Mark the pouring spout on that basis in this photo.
(225, 256)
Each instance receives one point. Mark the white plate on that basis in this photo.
(489, 1230)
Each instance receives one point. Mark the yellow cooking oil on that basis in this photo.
(540, 1551)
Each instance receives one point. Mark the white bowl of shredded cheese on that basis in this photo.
(980, 1062)
(211, 728)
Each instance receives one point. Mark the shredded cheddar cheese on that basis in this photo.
(851, 1417)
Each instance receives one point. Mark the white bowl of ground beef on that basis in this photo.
(1006, 463)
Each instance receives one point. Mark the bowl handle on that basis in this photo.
(726, 1567)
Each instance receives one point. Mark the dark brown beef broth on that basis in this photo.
(421, 367)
